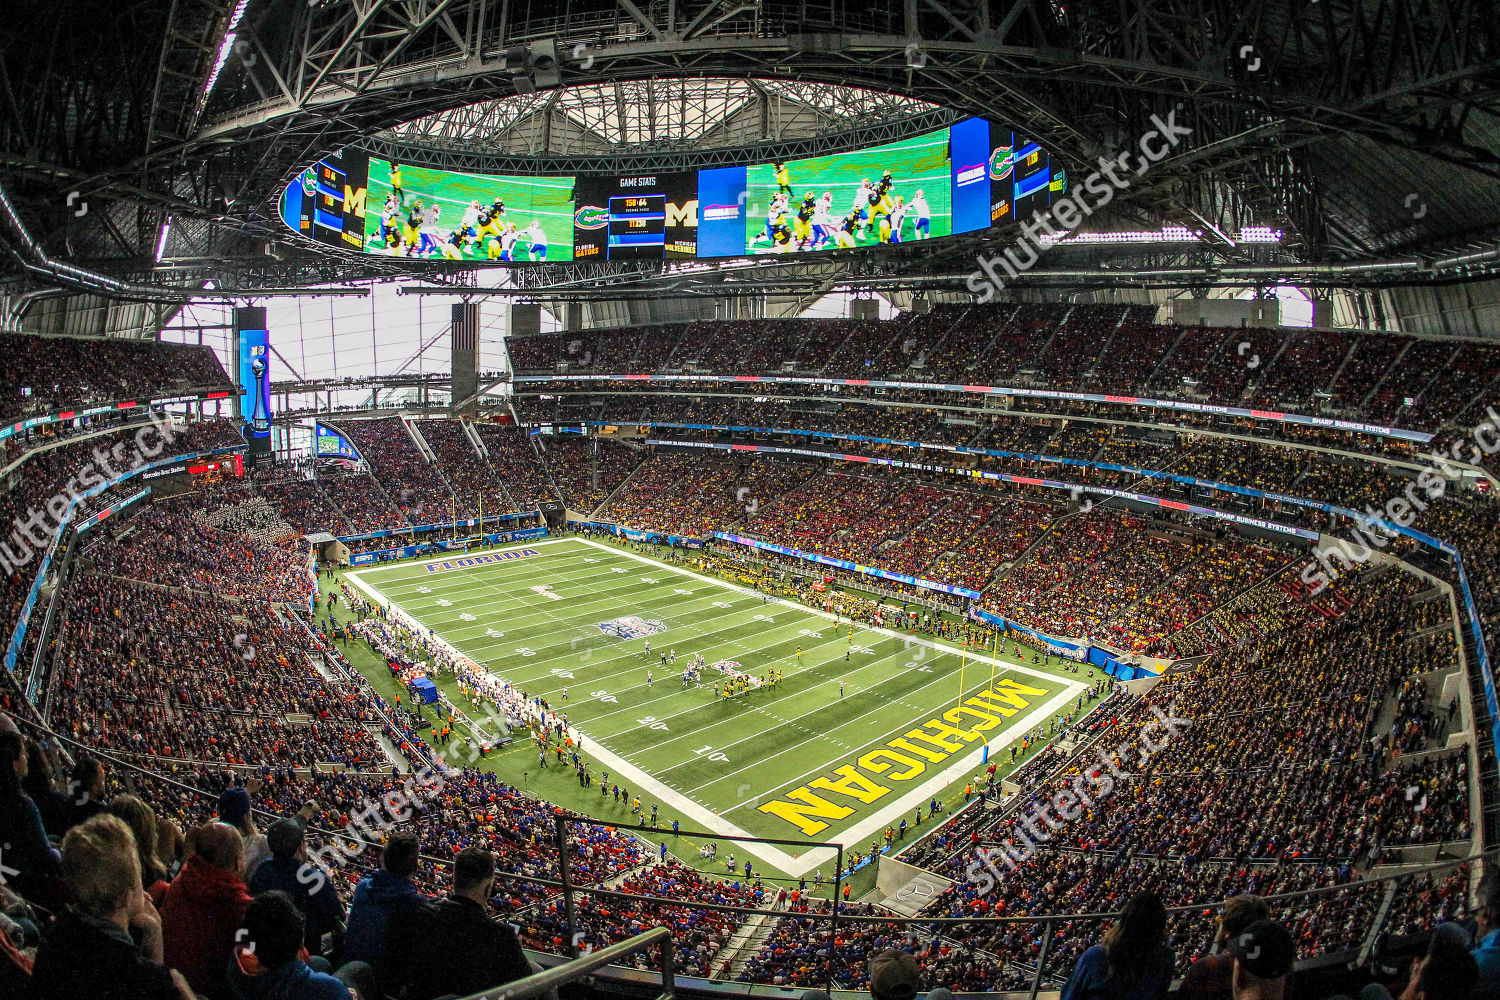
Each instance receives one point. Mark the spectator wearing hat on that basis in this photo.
(234, 810)
(1212, 977)
(204, 907)
(309, 885)
(451, 946)
(894, 975)
(89, 951)
(1131, 963)
(1263, 954)
(268, 963)
(379, 898)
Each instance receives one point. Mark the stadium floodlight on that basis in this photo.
(226, 46)
(161, 241)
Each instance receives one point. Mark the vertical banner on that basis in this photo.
(969, 153)
(253, 376)
(721, 212)
(1031, 177)
(463, 356)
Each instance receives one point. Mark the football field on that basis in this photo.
(862, 730)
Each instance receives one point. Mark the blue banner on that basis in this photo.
(255, 386)
(721, 212)
(637, 535)
(969, 155)
(442, 526)
(421, 548)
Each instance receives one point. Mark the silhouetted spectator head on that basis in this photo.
(1263, 956)
(285, 837)
(1448, 972)
(1133, 942)
(220, 845)
(474, 872)
(400, 854)
(12, 763)
(275, 926)
(88, 778)
(1239, 913)
(101, 865)
(1487, 902)
(234, 806)
(170, 843)
(142, 822)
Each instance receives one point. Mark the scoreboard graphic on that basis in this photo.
(642, 217)
(637, 226)
(968, 177)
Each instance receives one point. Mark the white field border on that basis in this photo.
(854, 837)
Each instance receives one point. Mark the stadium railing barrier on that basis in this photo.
(545, 984)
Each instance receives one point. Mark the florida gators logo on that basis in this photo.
(591, 217)
(1002, 162)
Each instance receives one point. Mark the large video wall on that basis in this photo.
(970, 176)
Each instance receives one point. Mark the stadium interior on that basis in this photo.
(1060, 440)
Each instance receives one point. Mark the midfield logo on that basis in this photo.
(631, 627)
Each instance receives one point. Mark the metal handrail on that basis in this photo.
(545, 983)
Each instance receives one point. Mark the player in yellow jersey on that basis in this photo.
(411, 231)
(783, 178)
(452, 247)
(396, 188)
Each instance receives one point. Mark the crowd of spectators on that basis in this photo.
(1074, 348)
(1286, 780)
(413, 483)
(297, 498)
(45, 374)
(474, 484)
(517, 465)
(575, 464)
(361, 500)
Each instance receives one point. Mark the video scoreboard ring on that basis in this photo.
(637, 226)
(966, 177)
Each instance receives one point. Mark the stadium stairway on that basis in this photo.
(541, 461)
(604, 504)
(744, 945)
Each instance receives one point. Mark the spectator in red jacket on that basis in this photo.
(204, 907)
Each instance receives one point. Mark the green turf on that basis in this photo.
(547, 200)
(708, 761)
(919, 162)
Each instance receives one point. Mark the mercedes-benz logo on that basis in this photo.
(916, 890)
